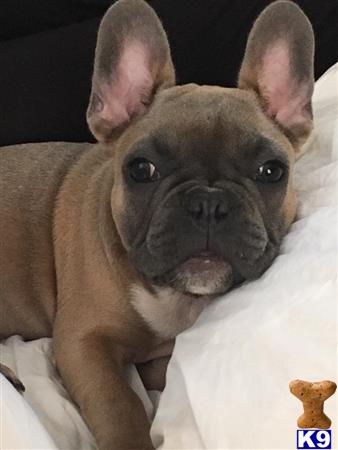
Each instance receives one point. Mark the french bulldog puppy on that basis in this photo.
(115, 248)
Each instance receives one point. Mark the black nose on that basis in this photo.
(206, 205)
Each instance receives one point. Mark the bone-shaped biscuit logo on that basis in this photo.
(313, 396)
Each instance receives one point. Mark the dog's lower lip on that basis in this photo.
(203, 261)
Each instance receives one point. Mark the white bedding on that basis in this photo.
(227, 383)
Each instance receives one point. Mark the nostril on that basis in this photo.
(200, 211)
(196, 209)
(221, 211)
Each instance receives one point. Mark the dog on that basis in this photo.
(115, 248)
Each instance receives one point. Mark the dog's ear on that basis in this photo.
(278, 66)
(132, 61)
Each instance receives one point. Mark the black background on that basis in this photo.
(47, 49)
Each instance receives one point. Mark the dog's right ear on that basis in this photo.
(132, 61)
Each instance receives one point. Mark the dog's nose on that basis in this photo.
(206, 205)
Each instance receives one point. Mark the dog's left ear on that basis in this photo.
(278, 66)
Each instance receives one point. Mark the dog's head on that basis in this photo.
(203, 189)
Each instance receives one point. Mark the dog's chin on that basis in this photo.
(204, 274)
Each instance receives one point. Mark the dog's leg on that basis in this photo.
(93, 373)
(153, 373)
(12, 378)
(153, 369)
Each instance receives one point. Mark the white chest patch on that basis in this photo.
(167, 312)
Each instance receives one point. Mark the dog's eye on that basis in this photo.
(143, 171)
(270, 172)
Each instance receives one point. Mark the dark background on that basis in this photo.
(47, 49)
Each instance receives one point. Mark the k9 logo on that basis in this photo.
(313, 439)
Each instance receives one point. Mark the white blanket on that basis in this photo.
(227, 383)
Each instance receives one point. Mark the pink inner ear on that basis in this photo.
(285, 96)
(130, 88)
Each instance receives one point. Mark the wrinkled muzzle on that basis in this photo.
(204, 240)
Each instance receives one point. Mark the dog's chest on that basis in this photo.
(167, 312)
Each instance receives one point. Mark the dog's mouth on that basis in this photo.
(205, 273)
(203, 262)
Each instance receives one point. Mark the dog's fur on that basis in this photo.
(113, 268)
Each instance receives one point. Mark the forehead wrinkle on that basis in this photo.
(160, 146)
(261, 145)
